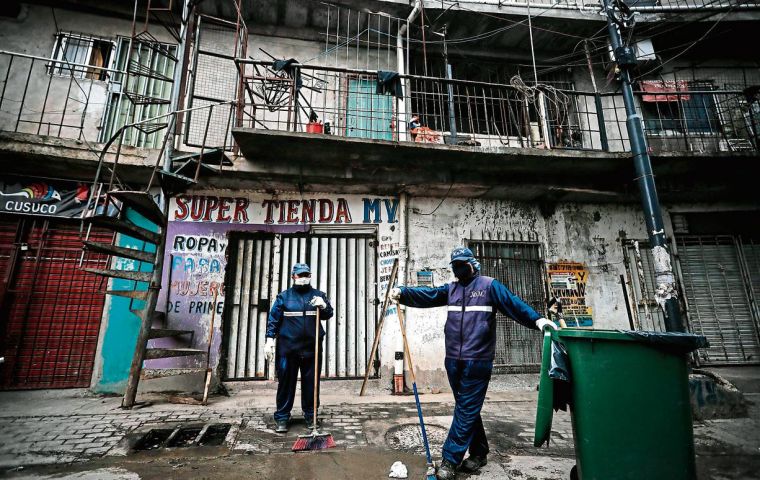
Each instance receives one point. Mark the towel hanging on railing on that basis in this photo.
(389, 83)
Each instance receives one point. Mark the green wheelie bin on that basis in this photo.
(628, 395)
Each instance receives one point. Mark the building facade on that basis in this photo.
(350, 135)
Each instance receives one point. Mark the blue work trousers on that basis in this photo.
(469, 383)
(288, 366)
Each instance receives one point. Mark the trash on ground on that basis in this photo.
(398, 470)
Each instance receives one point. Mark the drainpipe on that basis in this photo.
(401, 117)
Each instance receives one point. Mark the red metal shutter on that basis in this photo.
(53, 309)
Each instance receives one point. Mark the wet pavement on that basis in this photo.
(72, 435)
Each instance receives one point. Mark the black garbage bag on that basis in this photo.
(559, 372)
(673, 342)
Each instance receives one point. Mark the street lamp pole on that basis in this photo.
(666, 293)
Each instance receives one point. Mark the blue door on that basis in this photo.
(368, 115)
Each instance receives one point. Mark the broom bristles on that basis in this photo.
(314, 442)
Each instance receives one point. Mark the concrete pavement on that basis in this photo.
(71, 434)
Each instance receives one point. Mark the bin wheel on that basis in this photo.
(574, 473)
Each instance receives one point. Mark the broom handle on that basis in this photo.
(402, 322)
(316, 370)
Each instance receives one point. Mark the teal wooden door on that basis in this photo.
(368, 115)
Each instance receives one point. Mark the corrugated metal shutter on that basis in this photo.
(53, 309)
(520, 267)
(717, 298)
(343, 266)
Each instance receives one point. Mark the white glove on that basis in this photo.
(395, 294)
(542, 323)
(269, 349)
(318, 302)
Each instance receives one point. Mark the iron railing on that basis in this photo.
(345, 102)
(45, 96)
(595, 5)
(697, 119)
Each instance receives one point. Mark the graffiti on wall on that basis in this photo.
(196, 274)
(567, 282)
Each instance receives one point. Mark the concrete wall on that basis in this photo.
(582, 233)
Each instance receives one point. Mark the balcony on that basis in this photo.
(488, 117)
(640, 5)
(491, 117)
(58, 109)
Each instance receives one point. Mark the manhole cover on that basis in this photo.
(408, 438)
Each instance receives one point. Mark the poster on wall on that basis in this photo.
(34, 196)
(567, 282)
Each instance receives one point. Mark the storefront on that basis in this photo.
(50, 310)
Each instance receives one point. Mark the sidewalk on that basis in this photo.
(50, 433)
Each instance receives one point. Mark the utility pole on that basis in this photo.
(666, 293)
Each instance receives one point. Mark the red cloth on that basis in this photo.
(664, 90)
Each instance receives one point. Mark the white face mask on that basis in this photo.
(301, 281)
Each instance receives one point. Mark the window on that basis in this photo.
(72, 51)
(519, 266)
(678, 107)
(142, 93)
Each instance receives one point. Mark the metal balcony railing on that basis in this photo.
(691, 119)
(45, 96)
(595, 5)
(346, 103)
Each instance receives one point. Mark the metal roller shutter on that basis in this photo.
(343, 266)
(52, 309)
(718, 299)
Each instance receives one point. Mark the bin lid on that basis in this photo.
(676, 342)
(544, 409)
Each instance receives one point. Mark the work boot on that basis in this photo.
(447, 471)
(473, 463)
(282, 426)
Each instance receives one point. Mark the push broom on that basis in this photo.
(430, 473)
(316, 440)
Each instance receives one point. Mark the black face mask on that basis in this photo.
(462, 271)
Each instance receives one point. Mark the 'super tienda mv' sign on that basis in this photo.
(220, 209)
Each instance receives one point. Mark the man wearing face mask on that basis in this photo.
(291, 322)
(470, 334)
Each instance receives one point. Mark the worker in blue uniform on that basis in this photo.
(292, 322)
(470, 337)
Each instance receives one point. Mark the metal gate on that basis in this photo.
(50, 310)
(720, 296)
(519, 266)
(214, 79)
(343, 266)
(640, 266)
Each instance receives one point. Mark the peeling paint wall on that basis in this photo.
(584, 233)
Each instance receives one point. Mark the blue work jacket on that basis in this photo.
(470, 329)
(291, 320)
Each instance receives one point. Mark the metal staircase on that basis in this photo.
(112, 205)
(141, 213)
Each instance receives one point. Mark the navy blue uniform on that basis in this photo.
(470, 334)
(291, 321)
